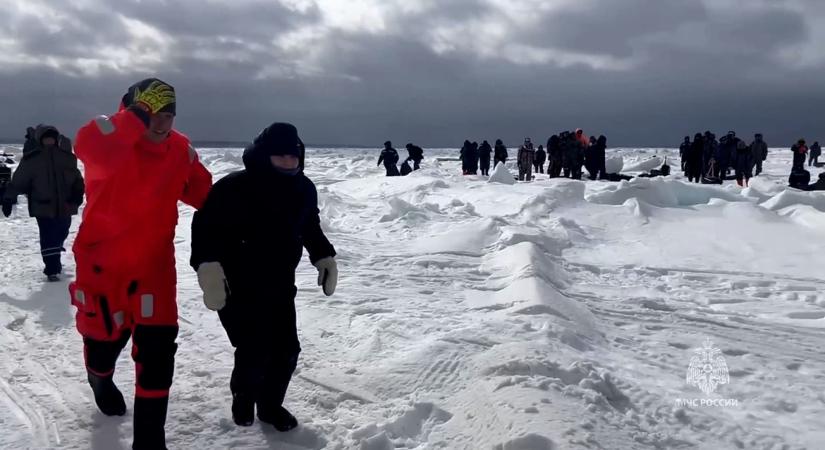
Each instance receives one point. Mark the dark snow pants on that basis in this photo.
(265, 337)
(392, 170)
(53, 233)
(485, 167)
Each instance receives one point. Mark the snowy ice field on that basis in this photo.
(472, 315)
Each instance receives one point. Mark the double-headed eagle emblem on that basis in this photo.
(708, 368)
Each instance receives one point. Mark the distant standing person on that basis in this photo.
(48, 176)
(816, 152)
(474, 157)
(694, 159)
(759, 152)
(389, 156)
(800, 151)
(500, 155)
(598, 157)
(684, 150)
(541, 157)
(526, 156)
(416, 154)
(554, 156)
(742, 164)
(484, 157)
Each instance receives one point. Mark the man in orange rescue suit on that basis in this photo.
(137, 169)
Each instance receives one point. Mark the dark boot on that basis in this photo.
(107, 396)
(278, 417)
(243, 409)
(150, 420)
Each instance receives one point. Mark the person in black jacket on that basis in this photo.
(694, 159)
(800, 151)
(247, 241)
(416, 154)
(597, 159)
(500, 155)
(724, 154)
(389, 156)
(484, 157)
(541, 157)
(684, 150)
(554, 156)
(742, 164)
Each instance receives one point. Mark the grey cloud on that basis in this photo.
(608, 27)
(691, 70)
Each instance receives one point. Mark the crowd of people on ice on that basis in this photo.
(568, 154)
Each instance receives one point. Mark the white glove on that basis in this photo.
(213, 284)
(327, 274)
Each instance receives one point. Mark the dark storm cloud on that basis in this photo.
(644, 72)
(607, 27)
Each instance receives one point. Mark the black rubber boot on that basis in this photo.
(107, 396)
(243, 409)
(150, 420)
(278, 417)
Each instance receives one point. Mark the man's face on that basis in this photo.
(49, 141)
(160, 125)
(286, 162)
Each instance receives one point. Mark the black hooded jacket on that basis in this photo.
(500, 153)
(256, 223)
(484, 152)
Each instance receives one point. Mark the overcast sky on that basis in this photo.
(642, 72)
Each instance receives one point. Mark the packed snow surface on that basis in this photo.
(472, 315)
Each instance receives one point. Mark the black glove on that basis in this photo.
(7, 204)
(29, 133)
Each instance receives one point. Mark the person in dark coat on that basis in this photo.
(464, 156)
(694, 159)
(759, 152)
(597, 159)
(415, 154)
(469, 159)
(526, 156)
(389, 156)
(484, 153)
(816, 152)
(566, 154)
(724, 152)
(247, 241)
(49, 177)
(500, 154)
(541, 157)
(574, 156)
(800, 151)
(555, 157)
(709, 152)
(474, 158)
(684, 150)
(742, 164)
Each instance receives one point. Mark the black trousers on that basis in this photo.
(485, 167)
(539, 168)
(264, 334)
(53, 233)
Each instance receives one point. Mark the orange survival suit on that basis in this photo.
(124, 250)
